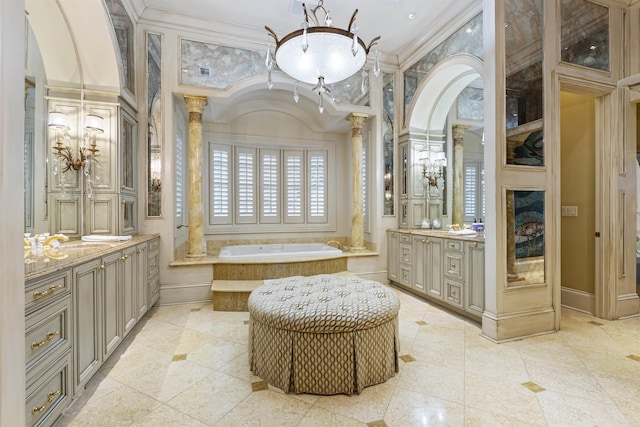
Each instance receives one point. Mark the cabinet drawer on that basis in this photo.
(405, 238)
(47, 334)
(50, 394)
(405, 274)
(453, 293)
(41, 292)
(154, 290)
(453, 245)
(153, 245)
(153, 264)
(453, 265)
(405, 253)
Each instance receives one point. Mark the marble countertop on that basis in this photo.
(443, 234)
(39, 262)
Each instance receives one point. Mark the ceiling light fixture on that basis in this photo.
(319, 53)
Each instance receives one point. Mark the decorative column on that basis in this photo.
(357, 222)
(457, 210)
(197, 244)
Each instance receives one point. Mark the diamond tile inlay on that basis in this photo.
(421, 322)
(593, 322)
(634, 357)
(259, 385)
(407, 358)
(533, 387)
(179, 357)
(378, 423)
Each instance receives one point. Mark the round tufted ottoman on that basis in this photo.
(323, 334)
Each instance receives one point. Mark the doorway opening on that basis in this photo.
(578, 167)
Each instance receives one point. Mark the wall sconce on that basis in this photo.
(432, 167)
(388, 190)
(60, 122)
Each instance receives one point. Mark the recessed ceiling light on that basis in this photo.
(412, 15)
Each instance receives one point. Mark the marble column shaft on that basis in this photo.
(457, 210)
(357, 221)
(195, 106)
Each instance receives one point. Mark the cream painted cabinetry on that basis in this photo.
(48, 338)
(76, 316)
(105, 201)
(446, 270)
(153, 271)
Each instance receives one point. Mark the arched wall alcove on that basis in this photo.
(252, 94)
(435, 95)
(76, 42)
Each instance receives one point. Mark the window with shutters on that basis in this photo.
(180, 220)
(219, 188)
(474, 205)
(270, 186)
(267, 187)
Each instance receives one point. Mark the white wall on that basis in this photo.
(12, 356)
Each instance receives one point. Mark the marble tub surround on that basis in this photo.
(180, 257)
(39, 262)
(171, 368)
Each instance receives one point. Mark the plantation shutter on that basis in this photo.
(220, 184)
(293, 186)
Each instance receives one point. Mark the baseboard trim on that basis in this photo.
(575, 299)
(185, 293)
(514, 326)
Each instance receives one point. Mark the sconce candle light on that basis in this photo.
(432, 167)
(60, 122)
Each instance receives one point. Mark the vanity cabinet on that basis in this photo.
(446, 270)
(48, 338)
(75, 318)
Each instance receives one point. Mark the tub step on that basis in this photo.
(233, 295)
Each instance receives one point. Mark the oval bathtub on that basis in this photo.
(276, 251)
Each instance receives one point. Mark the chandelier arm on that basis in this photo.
(351, 21)
(272, 34)
(372, 43)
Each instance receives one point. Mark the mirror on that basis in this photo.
(154, 127)
(453, 165)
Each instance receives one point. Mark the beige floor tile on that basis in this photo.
(212, 397)
(164, 416)
(318, 417)
(508, 398)
(368, 406)
(217, 353)
(433, 380)
(409, 408)
(475, 417)
(264, 409)
(572, 380)
(120, 407)
(564, 411)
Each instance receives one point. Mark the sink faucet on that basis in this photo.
(56, 237)
(335, 243)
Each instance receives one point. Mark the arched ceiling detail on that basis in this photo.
(76, 51)
(438, 91)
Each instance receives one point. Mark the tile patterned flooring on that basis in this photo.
(187, 365)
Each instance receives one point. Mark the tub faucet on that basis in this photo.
(335, 243)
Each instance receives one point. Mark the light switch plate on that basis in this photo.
(569, 211)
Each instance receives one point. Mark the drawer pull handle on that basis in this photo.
(102, 267)
(50, 336)
(155, 291)
(50, 398)
(475, 244)
(153, 264)
(453, 266)
(49, 291)
(124, 258)
(139, 251)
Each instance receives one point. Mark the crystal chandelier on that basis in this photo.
(319, 53)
